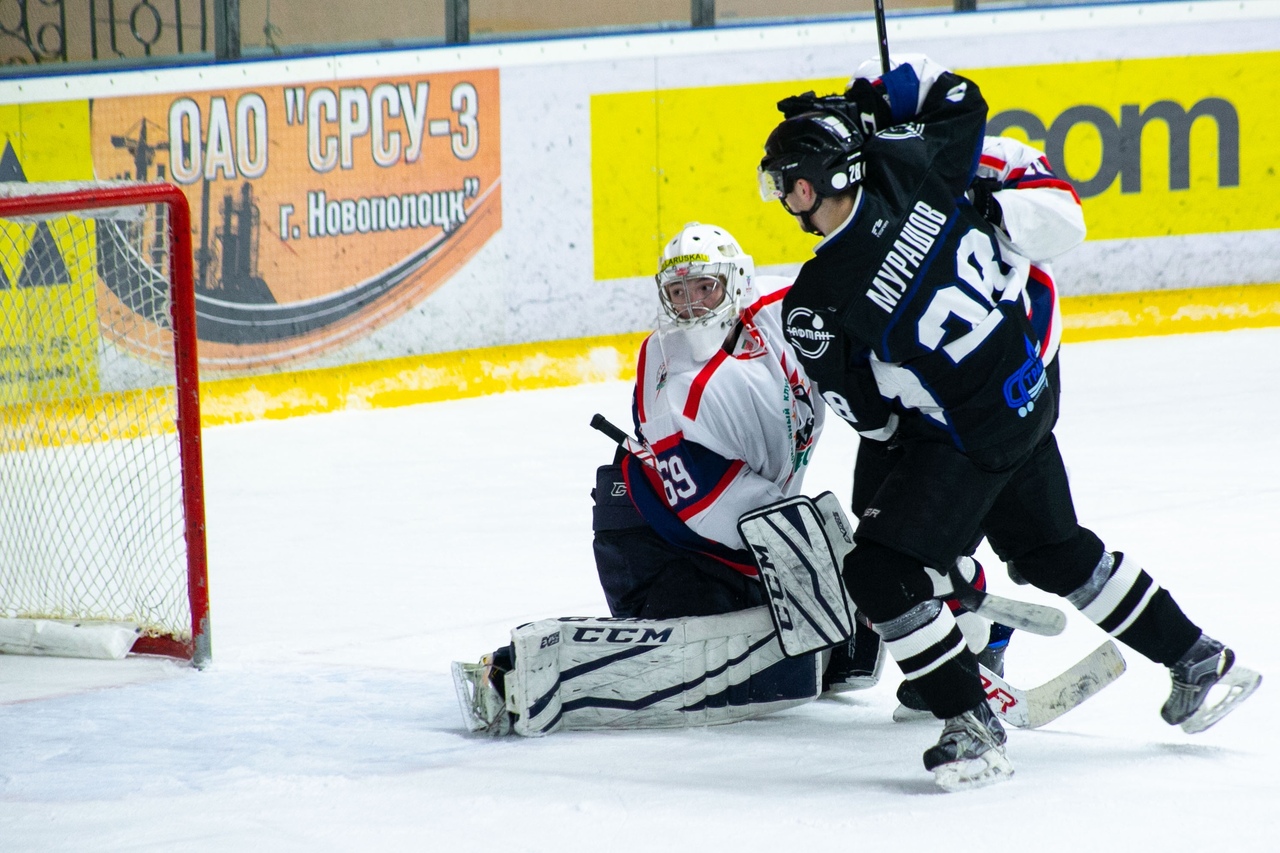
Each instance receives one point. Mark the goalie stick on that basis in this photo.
(603, 424)
(1031, 709)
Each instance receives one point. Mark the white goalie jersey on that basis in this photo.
(724, 436)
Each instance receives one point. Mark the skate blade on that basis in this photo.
(903, 714)
(990, 768)
(849, 685)
(1239, 683)
(465, 687)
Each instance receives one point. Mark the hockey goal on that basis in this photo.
(102, 548)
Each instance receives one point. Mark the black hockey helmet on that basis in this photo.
(823, 146)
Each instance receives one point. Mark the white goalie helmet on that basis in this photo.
(704, 280)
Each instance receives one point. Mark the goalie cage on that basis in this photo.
(101, 490)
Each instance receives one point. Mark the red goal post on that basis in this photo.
(101, 484)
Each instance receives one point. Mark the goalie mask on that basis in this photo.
(704, 279)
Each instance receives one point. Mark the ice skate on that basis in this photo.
(484, 708)
(970, 753)
(855, 664)
(911, 705)
(992, 657)
(1206, 665)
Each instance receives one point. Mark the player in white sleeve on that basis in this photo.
(727, 421)
(1037, 215)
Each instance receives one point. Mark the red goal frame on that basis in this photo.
(183, 317)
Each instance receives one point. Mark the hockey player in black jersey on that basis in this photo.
(911, 320)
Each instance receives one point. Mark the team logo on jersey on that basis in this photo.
(806, 332)
(911, 130)
(1025, 385)
(800, 420)
(751, 343)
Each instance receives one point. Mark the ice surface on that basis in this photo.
(353, 555)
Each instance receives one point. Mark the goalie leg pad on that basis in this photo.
(578, 673)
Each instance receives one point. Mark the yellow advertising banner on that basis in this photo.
(320, 211)
(1155, 147)
(48, 313)
(48, 320)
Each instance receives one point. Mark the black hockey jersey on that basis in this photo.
(910, 308)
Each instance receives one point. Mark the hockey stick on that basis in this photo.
(1035, 618)
(1031, 709)
(603, 424)
(883, 34)
(626, 442)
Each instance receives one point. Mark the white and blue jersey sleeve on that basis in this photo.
(1042, 218)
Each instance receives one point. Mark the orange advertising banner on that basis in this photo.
(320, 211)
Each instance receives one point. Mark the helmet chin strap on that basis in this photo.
(805, 215)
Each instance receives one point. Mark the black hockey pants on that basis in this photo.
(646, 577)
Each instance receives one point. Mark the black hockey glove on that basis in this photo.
(982, 195)
(871, 103)
(808, 102)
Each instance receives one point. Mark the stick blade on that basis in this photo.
(1078, 684)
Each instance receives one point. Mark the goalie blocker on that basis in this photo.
(800, 546)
